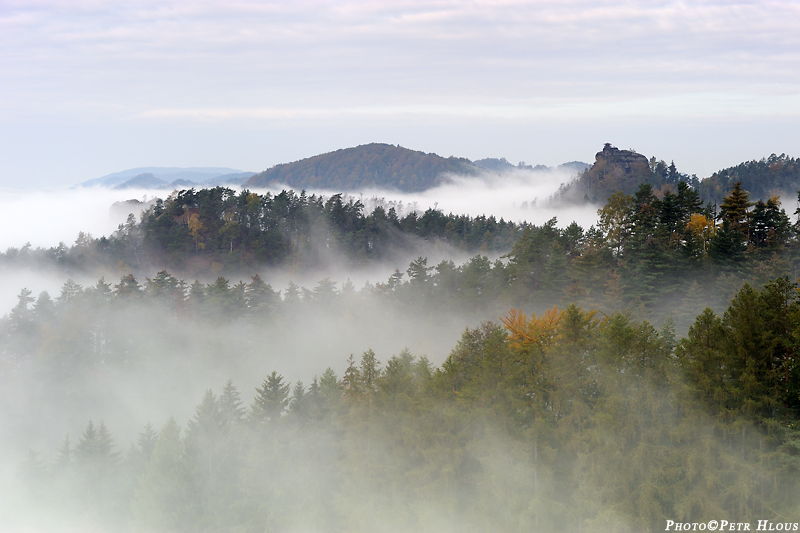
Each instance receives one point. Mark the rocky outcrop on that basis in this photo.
(613, 170)
(611, 157)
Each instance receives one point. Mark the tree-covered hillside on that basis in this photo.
(369, 166)
(776, 175)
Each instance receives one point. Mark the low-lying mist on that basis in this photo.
(45, 218)
(360, 381)
(142, 361)
(63, 215)
(53, 216)
(81, 351)
(516, 195)
(121, 417)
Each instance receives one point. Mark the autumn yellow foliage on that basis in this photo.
(540, 331)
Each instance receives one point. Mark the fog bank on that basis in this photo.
(44, 218)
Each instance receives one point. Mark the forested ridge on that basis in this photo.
(369, 166)
(766, 177)
(219, 230)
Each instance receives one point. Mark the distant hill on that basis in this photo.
(235, 178)
(574, 166)
(149, 181)
(142, 181)
(501, 165)
(168, 175)
(495, 165)
(368, 166)
(355, 169)
(776, 175)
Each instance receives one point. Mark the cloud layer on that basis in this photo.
(141, 58)
(345, 72)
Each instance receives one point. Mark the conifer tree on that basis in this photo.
(351, 381)
(197, 294)
(556, 274)
(271, 399)
(688, 203)
(260, 297)
(734, 213)
(70, 292)
(163, 499)
(128, 287)
(230, 404)
(298, 406)
(369, 371)
(64, 455)
(728, 245)
(329, 390)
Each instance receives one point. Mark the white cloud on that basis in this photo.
(688, 105)
(46, 217)
(481, 52)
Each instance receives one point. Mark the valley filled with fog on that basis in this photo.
(488, 353)
(281, 267)
(519, 195)
(178, 358)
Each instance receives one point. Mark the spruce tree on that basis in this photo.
(329, 390)
(369, 371)
(230, 404)
(556, 274)
(164, 499)
(260, 297)
(271, 399)
(298, 406)
(735, 209)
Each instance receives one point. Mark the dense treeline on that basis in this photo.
(305, 229)
(765, 178)
(659, 256)
(219, 230)
(645, 252)
(567, 421)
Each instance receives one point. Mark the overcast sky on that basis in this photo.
(90, 87)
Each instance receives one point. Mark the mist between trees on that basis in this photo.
(654, 255)
(566, 421)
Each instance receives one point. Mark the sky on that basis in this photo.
(90, 87)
